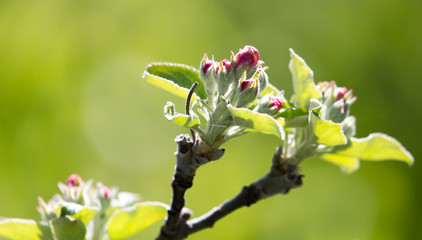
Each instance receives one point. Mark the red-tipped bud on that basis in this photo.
(248, 56)
(74, 180)
(248, 83)
(276, 102)
(340, 92)
(227, 66)
(105, 192)
(206, 66)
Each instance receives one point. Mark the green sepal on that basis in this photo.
(260, 122)
(24, 229)
(128, 221)
(303, 82)
(68, 228)
(176, 79)
(189, 121)
(327, 132)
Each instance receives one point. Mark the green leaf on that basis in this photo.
(189, 121)
(85, 215)
(175, 78)
(347, 164)
(258, 121)
(296, 122)
(377, 147)
(24, 229)
(327, 132)
(128, 221)
(303, 82)
(67, 228)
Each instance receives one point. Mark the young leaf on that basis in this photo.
(130, 220)
(327, 132)
(68, 228)
(303, 82)
(175, 78)
(258, 121)
(377, 147)
(85, 215)
(347, 164)
(24, 229)
(180, 119)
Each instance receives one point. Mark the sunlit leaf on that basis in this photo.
(130, 220)
(67, 228)
(85, 215)
(377, 147)
(175, 78)
(260, 122)
(347, 164)
(327, 132)
(24, 229)
(303, 82)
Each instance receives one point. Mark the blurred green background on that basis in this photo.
(72, 101)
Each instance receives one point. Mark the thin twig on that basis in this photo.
(187, 106)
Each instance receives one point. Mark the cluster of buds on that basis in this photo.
(76, 192)
(239, 80)
(336, 103)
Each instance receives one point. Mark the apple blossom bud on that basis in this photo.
(247, 57)
(74, 180)
(225, 66)
(340, 92)
(247, 90)
(206, 73)
(269, 104)
(105, 192)
(249, 83)
(276, 103)
(205, 64)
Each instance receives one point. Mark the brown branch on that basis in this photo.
(282, 177)
(188, 159)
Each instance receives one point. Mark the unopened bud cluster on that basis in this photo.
(77, 194)
(336, 103)
(239, 80)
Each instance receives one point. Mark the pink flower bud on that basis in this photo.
(226, 64)
(74, 180)
(248, 56)
(248, 83)
(276, 102)
(206, 66)
(105, 192)
(340, 92)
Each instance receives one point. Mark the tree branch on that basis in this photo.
(282, 177)
(189, 157)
